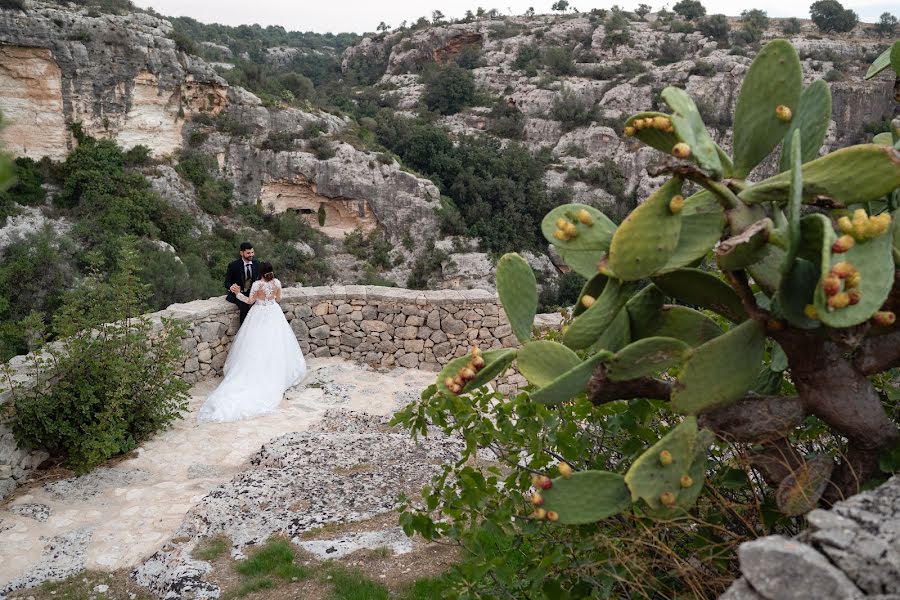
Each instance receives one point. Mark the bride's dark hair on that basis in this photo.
(266, 271)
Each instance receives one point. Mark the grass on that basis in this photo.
(275, 558)
(350, 584)
(211, 549)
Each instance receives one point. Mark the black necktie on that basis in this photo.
(247, 275)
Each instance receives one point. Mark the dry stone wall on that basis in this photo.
(379, 326)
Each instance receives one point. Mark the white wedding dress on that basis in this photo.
(264, 360)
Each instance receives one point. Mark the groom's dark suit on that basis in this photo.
(237, 273)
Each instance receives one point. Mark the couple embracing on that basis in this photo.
(265, 358)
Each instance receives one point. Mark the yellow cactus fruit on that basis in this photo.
(667, 499)
(537, 499)
(843, 269)
(587, 301)
(649, 123)
(638, 124)
(676, 204)
(845, 225)
(476, 350)
(884, 318)
(570, 230)
(773, 325)
(561, 223)
(843, 244)
(448, 382)
(681, 150)
(852, 281)
(603, 266)
(831, 285)
(629, 131)
(467, 374)
(561, 235)
(477, 362)
(839, 300)
(458, 380)
(552, 516)
(565, 470)
(810, 312)
(455, 388)
(585, 217)
(855, 296)
(661, 122)
(665, 458)
(783, 113)
(540, 514)
(686, 481)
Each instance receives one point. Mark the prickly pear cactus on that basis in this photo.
(799, 267)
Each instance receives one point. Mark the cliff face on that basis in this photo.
(120, 76)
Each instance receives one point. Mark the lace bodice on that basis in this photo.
(264, 292)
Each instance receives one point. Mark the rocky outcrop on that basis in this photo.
(119, 76)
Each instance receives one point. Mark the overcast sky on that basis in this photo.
(364, 15)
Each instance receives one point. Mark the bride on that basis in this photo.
(264, 360)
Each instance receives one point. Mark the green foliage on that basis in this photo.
(448, 89)
(100, 395)
(606, 175)
(528, 60)
(753, 23)
(689, 9)
(831, 16)
(322, 148)
(791, 26)
(507, 121)
(426, 264)
(887, 24)
(214, 194)
(715, 27)
(616, 29)
(12, 4)
(372, 247)
(558, 60)
(573, 110)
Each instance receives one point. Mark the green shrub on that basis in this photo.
(558, 60)
(606, 175)
(671, 50)
(322, 148)
(715, 27)
(426, 264)
(27, 188)
(830, 15)
(137, 156)
(572, 111)
(703, 69)
(887, 24)
(833, 75)
(689, 9)
(448, 89)
(791, 26)
(507, 121)
(372, 247)
(197, 138)
(12, 4)
(101, 395)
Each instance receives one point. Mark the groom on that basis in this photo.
(240, 277)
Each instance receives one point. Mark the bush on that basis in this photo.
(689, 9)
(426, 264)
(137, 156)
(572, 111)
(12, 4)
(616, 29)
(833, 75)
(715, 27)
(791, 26)
(507, 121)
(606, 175)
(528, 59)
(831, 16)
(468, 57)
(374, 248)
(703, 69)
(214, 194)
(197, 138)
(448, 89)
(27, 188)
(562, 293)
(322, 148)
(558, 61)
(101, 395)
(887, 24)
(671, 50)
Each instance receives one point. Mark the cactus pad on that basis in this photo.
(691, 130)
(645, 240)
(593, 287)
(587, 497)
(836, 175)
(517, 289)
(571, 383)
(800, 491)
(746, 248)
(645, 357)
(679, 322)
(720, 371)
(811, 119)
(702, 222)
(648, 478)
(796, 292)
(774, 79)
(617, 335)
(583, 251)
(874, 261)
(495, 363)
(589, 325)
(653, 136)
(701, 288)
(542, 361)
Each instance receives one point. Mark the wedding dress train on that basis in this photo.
(264, 360)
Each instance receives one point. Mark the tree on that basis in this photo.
(469, 16)
(560, 6)
(479, 12)
(715, 27)
(754, 22)
(887, 24)
(791, 26)
(831, 16)
(643, 10)
(382, 27)
(448, 89)
(689, 9)
(437, 17)
(782, 357)
(529, 12)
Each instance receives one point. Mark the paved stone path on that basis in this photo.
(119, 516)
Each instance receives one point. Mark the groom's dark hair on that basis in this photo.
(246, 246)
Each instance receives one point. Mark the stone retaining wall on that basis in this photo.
(382, 327)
